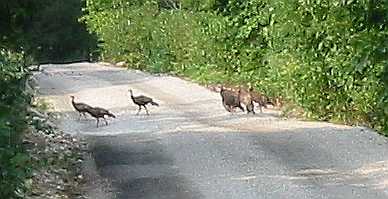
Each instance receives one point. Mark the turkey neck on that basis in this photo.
(133, 98)
(73, 102)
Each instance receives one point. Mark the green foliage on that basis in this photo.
(328, 57)
(14, 167)
(336, 47)
(47, 30)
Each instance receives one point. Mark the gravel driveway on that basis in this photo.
(190, 147)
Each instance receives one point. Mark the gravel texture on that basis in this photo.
(57, 160)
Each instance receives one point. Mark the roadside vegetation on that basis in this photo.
(46, 30)
(15, 164)
(35, 32)
(327, 58)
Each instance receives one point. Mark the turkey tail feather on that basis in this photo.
(111, 115)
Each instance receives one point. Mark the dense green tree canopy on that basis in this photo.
(48, 30)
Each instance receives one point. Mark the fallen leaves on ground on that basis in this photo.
(57, 158)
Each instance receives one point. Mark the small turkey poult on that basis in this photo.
(230, 100)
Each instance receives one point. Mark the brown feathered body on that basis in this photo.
(230, 100)
(142, 101)
(80, 107)
(264, 101)
(260, 99)
(246, 99)
(98, 113)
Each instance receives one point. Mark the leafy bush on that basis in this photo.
(328, 57)
(337, 49)
(14, 167)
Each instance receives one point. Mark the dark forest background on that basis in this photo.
(46, 30)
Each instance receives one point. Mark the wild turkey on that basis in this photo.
(261, 99)
(142, 101)
(98, 113)
(245, 98)
(230, 100)
(81, 108)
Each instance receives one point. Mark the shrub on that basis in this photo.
(14, 167)
(327, 57)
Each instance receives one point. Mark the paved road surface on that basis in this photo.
(191, 148)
